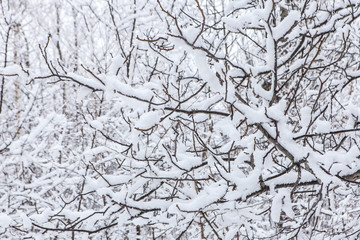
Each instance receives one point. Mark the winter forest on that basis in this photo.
(181, 119)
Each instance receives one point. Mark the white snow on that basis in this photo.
(208, 195)
(148, 120)
(5, 221)
(117, 62)
(205, 72)
(323, 126)
(281, 202)
(226, 127)
(286, 24)
(98, 125)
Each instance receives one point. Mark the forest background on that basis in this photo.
(186, 119)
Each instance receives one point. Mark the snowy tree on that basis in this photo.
(180, 119)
